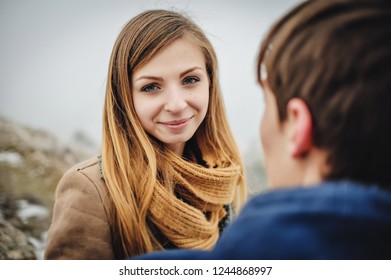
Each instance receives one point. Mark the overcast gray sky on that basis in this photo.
(54, 56)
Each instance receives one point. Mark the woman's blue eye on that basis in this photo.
(149, 88)
(190, 80)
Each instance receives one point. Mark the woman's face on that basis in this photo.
(171, 93)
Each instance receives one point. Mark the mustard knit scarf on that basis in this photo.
(191, 221)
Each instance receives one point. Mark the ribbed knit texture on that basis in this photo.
(191, 221)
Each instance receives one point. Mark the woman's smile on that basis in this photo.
(176, 124)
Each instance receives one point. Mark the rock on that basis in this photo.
(32, 162)
(14, 244)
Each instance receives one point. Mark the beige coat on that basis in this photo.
(81, 221)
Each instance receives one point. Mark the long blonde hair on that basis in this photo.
(131, 159)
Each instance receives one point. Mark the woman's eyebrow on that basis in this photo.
(158, 78)
(189, 70)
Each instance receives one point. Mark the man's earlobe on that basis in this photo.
(300, 130)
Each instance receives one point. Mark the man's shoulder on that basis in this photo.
(313, 223)
(339, 196)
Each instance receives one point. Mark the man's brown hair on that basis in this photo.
(336, 56)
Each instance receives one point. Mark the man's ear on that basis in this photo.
(300, 127)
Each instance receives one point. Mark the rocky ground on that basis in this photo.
(31, 164)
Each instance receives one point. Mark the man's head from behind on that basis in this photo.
(326, 71)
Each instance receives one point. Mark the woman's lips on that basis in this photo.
(176, 124)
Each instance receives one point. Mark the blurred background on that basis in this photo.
(53, 64)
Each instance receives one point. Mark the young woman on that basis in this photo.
(170, 174)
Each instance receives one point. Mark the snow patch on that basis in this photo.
(12, 158)
(28, 210)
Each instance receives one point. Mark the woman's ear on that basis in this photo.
(299, 121)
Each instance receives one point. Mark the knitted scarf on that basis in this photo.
(191, 220)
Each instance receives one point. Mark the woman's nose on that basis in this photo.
(175, 101)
